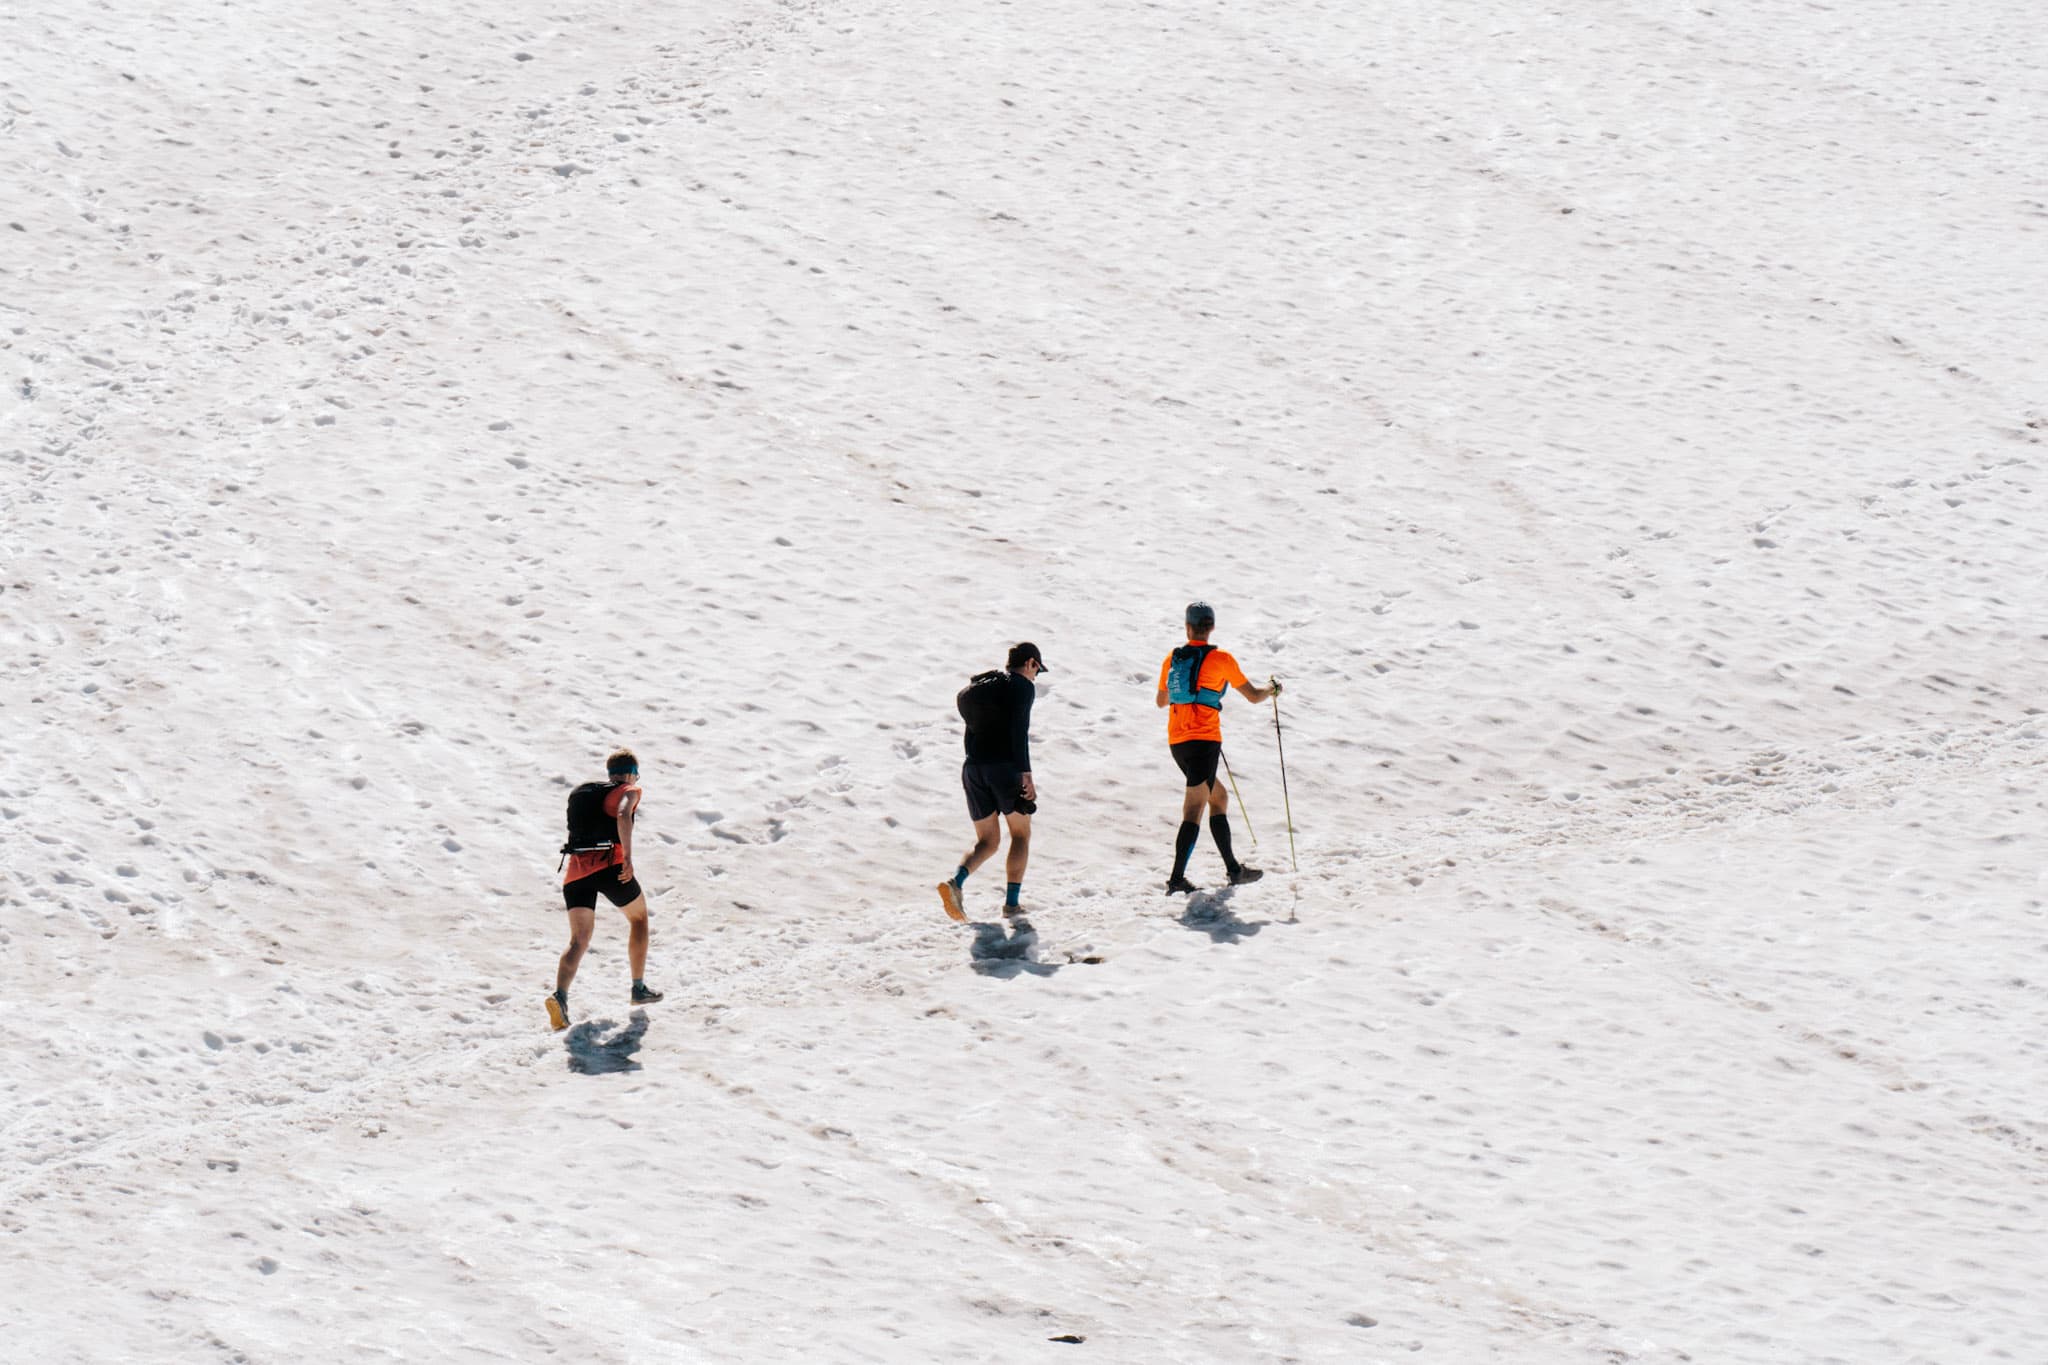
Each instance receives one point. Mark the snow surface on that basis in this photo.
(1620, 422)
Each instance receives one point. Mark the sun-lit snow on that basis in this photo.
(1620, 424)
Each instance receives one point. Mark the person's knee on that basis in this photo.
(578, 944)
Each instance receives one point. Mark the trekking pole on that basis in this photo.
(1240, 800)
(1283, 780)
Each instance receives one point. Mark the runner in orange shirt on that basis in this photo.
(599, 853)
(1194, 681)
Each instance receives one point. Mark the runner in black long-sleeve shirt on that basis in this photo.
(997, 780)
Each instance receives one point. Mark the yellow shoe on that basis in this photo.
(949, 896)
(558, 1016)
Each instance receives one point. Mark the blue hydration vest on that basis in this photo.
(1183, 677)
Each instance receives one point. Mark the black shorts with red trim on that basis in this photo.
(582, 893)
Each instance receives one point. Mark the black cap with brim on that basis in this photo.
(1024, 653)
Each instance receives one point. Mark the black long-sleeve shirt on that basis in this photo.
(1010, 743)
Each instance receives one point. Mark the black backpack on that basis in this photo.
(590, 829)
(985, 702)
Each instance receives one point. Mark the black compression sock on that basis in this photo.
(1184, 845)
(1219, 830)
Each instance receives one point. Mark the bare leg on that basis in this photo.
(1195, 799)
(987, 839)
(1020, 845)
(581, 923)
(636, 936)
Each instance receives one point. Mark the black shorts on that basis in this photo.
(1198, 759)
(991, 788)
(581, 894)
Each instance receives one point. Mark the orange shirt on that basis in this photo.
(582, 865)
(1189, 721)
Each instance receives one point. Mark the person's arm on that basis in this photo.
(1164, 670)
(1020, 733)
(629, 801)
(1255, 694)
(1246, 688)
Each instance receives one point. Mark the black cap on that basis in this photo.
(1026, 653)
(1201, 616)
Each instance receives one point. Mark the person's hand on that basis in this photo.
(1030, 788)
(1273, 686)
(625, 872)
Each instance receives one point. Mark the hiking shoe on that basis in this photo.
(1246, 874)
(558, 1013)
(1180, 886)
(949, 896)
(644, 994)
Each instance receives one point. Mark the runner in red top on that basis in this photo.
(599, 855)
(1194, 680)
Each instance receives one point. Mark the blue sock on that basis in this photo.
(960, 876)
(1010, 896)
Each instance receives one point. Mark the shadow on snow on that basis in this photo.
(593, 1054)
(1007, 950)
(1209, 912)
(1012, 949)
